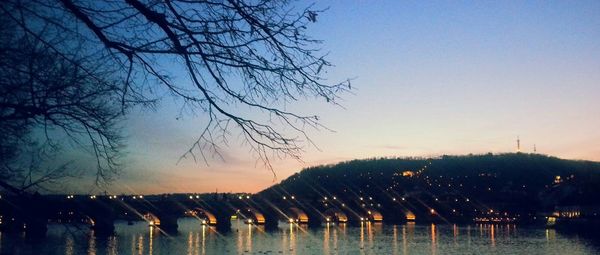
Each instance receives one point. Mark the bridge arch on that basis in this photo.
(206, 217)
(335, 215)
(297, 215)
(253, 216)
(374, 215)
(410, 216)
(152, 219)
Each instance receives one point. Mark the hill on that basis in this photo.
(515, 183)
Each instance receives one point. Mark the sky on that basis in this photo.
(430, 78)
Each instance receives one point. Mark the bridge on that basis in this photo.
(101, 211)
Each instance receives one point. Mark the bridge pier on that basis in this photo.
(394, 217)
(102, 214)
(36, 227)
(35, 216)
(223, 222)
(353, 215)
(167, 213)
(271, 221)
(168, 222)
(314, 218)
(104, 226)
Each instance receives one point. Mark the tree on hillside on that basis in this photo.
(216, 57)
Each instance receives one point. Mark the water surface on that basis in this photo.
(368, 238)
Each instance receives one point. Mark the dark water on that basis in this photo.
(292, 239)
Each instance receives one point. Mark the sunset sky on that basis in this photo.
(429, 79)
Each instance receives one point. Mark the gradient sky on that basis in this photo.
(431, 79)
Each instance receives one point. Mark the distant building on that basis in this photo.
(577, 211)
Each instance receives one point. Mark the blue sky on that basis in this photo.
(431, 78)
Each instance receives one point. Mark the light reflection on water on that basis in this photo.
(366, 238)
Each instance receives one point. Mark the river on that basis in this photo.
(369, 238)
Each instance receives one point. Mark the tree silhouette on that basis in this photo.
(44, 93)
(233, 55)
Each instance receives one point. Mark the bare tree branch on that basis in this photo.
(235, 53)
